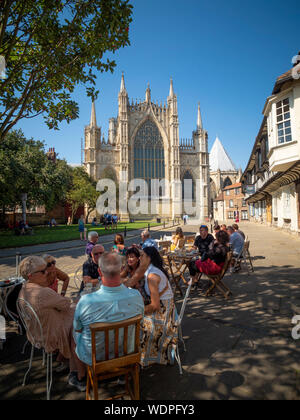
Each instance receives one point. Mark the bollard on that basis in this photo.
(18, 260)
(125, 232)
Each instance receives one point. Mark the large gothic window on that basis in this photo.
(149, 154)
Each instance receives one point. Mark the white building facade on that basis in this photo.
(272, 177)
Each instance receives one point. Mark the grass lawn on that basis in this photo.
(45, 234)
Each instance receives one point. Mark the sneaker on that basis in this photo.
(79, 385)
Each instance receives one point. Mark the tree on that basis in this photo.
(25, 168)
(51, 46)
(83, 192)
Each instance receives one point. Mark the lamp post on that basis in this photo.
(24, 199)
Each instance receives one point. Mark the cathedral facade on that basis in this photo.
(143, 143)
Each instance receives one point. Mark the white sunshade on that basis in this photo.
(219, 159)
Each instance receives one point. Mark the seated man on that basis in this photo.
(237, 229)
(236, 242)
(90, 272)
(204, 240)
(147, 241)
(112, 303)
(92, 240)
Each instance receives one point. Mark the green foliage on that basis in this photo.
(83, 191)
(25, 168)
(50, 47)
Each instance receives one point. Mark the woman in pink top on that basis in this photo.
(55, 314)
(54, 275)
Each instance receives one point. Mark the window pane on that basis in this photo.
(286, 108)
(288, 138)
(281, 140)
(287, 131)
(286, 101)
(287, 116)
(280, 126)
(279, 111)
(287, 124)
(280, 133)
(278, 105)
(279, 118)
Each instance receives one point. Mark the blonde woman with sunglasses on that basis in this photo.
(54, 275)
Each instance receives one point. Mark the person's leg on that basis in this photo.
(76, 365)
(194, 272)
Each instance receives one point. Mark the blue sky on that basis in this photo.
(225, 55)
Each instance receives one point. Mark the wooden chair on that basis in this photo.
(189, 241)
(244, 257)
(174, 277)
(165, 246)
(247, 256)
(125, 364)
(217, 280)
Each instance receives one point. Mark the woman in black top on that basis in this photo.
(213, 260)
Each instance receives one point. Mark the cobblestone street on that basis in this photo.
(236, 349)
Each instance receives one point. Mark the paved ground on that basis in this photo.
(236, 349)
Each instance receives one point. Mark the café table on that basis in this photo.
(178, 264)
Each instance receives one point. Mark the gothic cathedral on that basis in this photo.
(143, 143)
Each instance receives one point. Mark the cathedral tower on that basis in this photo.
(92, 135)
(143, 143)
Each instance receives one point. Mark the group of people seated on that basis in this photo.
(133, 282)
(214, 250)
(126, 282)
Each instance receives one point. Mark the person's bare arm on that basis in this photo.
(153, 283)
(65, 279)
(88, 279)
(124, 272)
(137, 276)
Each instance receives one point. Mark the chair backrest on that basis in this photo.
(190, 239)
(31, 323)
(187, 293)
(226, 264)
(165, 245)
(128, 357)
(246, 246)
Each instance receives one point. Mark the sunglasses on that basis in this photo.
(51, 263)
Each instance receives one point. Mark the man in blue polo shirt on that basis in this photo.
(114, 302)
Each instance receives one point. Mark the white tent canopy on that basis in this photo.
(219, 159)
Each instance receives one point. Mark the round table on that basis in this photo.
(6, 287)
